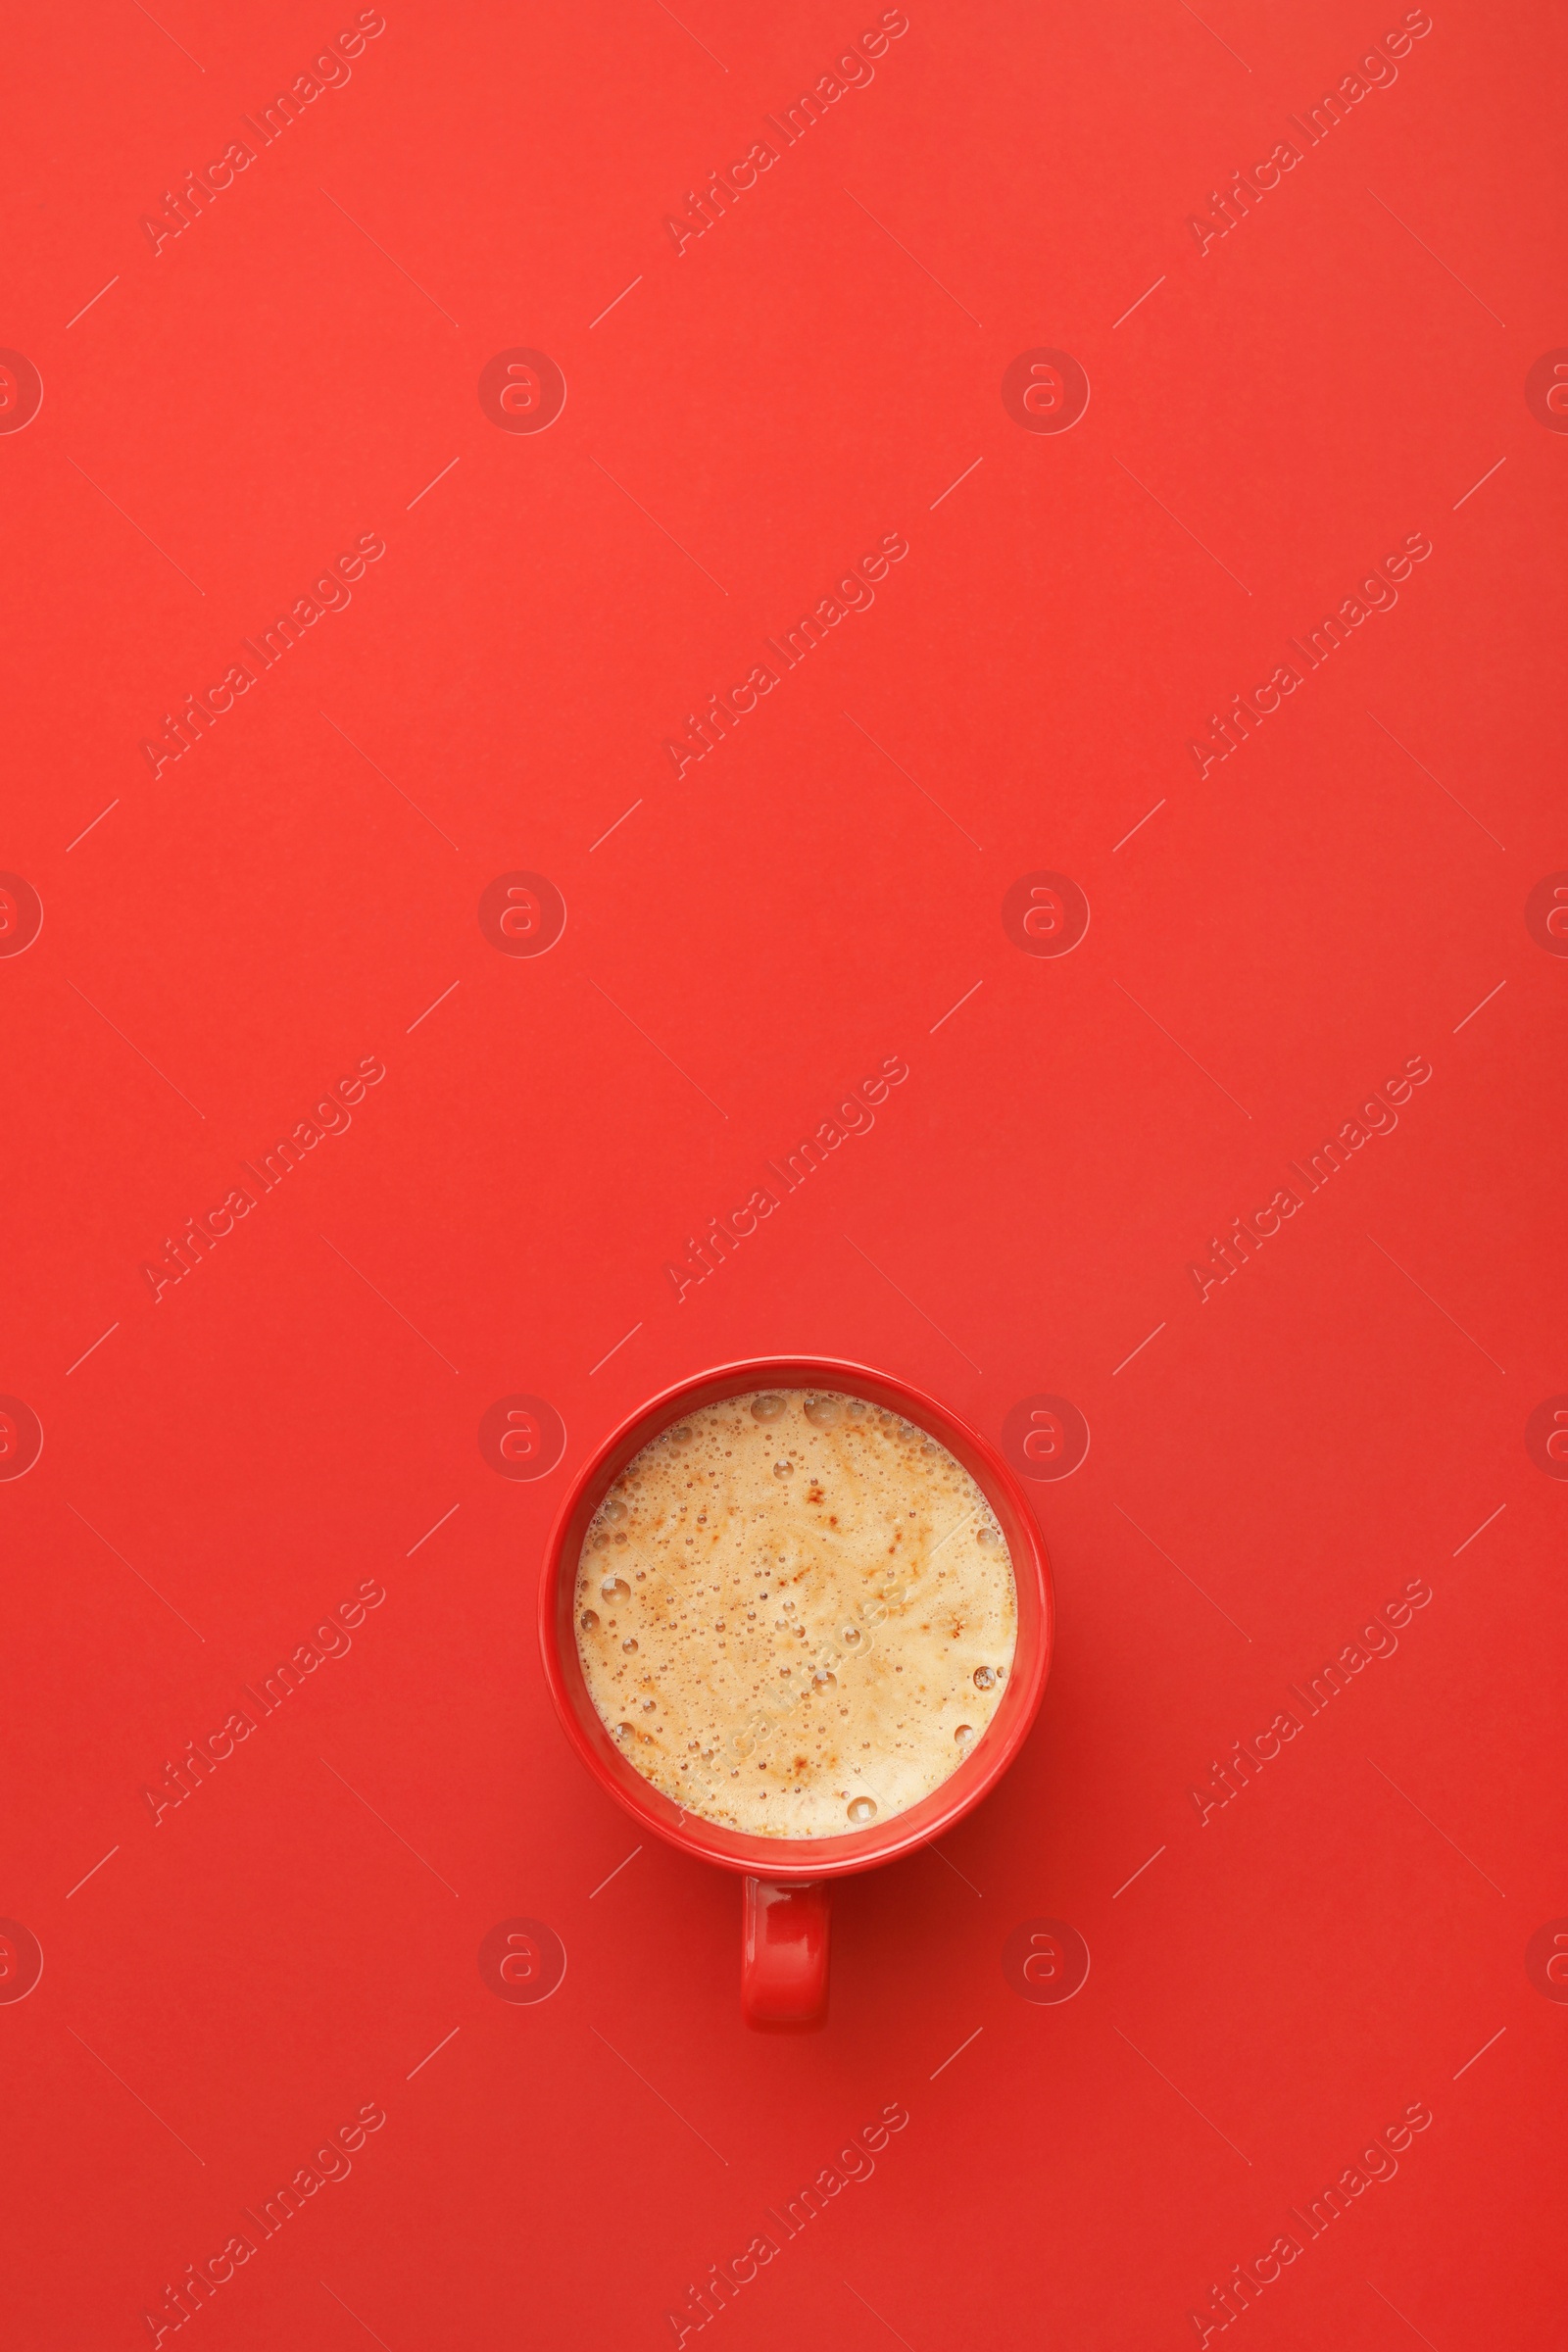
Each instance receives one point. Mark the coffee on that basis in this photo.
(796, 1613)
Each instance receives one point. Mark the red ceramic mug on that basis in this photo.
(784, 1952)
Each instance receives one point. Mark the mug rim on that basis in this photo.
(798, 1858)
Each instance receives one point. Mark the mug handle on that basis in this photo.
(784, 1949)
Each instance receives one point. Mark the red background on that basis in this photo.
(295, 369)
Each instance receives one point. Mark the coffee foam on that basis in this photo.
(795, 1612)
